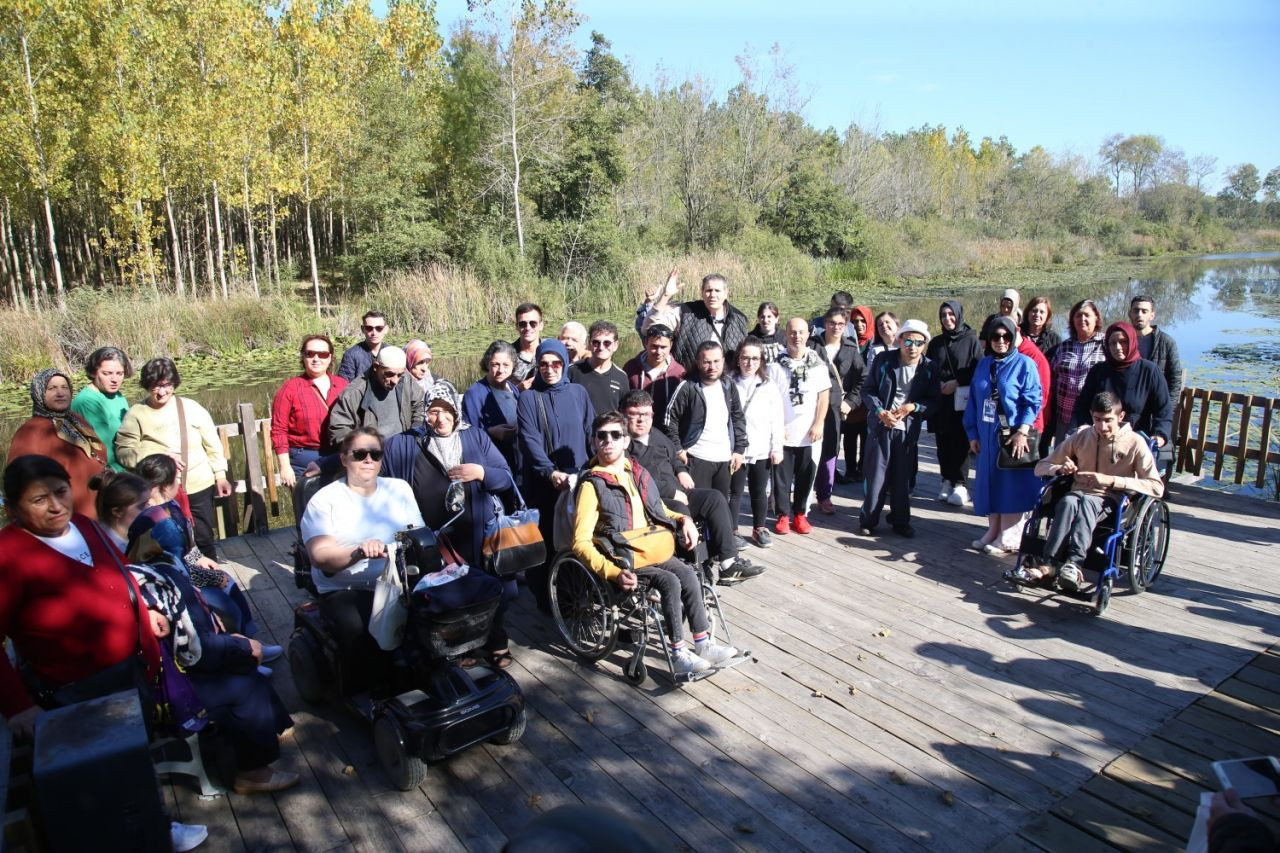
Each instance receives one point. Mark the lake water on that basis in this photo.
(1223, 310)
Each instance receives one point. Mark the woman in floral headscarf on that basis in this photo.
(58, 433)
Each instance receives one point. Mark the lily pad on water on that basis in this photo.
(1254, 352)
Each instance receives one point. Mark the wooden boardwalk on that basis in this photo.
(901, 697)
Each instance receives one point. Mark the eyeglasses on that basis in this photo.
(550, 365)
(164, 386)
(749, 358)
(606, 435)
(602, 344)
(1001, 336)
(639, 413)
(362, 453)
(374, 328)
(912, 342)
(528, 324)
(311, 353)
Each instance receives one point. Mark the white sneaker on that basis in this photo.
(685, 662)
(713, 653)
(1070, 577)
(959, 496)
(945, 491)
(187, 836)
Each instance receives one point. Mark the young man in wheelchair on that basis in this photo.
(1104, 459)
(622, 532)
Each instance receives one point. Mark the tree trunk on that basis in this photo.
(222, 248)
(275, 239)
(515, 161)
(38, 294)
(179, 286)
(208, 252)
(189, 230)
(311, 237)
(248, 233)
(44, 168)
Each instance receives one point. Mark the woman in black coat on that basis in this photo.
(956, 351)
(1138, 383)
(844, 363)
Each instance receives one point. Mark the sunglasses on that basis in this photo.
(363, 453)
(601, 344)
(550, 365)
(603, 435)
(528, 324)
(912, 342)
(374, 328)
(312, 353)
(1001, 336)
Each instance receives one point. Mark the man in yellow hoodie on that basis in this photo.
(617, 496)
(1104, 458)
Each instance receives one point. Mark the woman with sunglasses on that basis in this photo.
(300, 410)
(1005, 391)
(345, 528)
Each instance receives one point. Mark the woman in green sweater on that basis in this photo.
(101, 403)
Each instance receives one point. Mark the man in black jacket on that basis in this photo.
(697, 321)
(1159, 348)
(657, 455)
(706, 422)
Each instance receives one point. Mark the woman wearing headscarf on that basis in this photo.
(452, 450)
(418, 358)
(553, 421)
(1079, 351)
(1010, 306)
(854, 430)
(1138, 383)
(490, 403)
(956, 351)
(60, 434)
(1005, 390)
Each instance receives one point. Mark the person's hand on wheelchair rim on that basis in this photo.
(627, 580)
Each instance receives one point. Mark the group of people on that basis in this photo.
(672, 438)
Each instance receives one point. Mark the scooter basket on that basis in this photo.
(455, 618)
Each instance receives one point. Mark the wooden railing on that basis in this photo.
(258, 489)
(1232, 427)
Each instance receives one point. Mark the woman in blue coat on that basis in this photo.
(490, 404)
(553, 420)
(1003, 496)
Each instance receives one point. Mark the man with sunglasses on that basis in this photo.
(654, 370)
(380, 399)
(618, 496)
(605, 382)
(528, 336)
(655, 452)
(901, 390)
(357, 360)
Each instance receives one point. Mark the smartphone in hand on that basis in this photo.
(1251, 777)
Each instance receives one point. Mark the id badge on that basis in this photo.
(988, 411)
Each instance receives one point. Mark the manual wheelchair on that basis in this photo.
(1129, 547)
(594, 616)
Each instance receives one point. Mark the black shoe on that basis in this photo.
(904, 530)
(741, 570)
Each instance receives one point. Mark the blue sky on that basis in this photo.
(1205, 76)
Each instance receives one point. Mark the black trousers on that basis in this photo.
(681, 593)
(953, 445)
(204, 521)
(710, 475)
(246, 706)
(797, 472)
(543, 496)
(364, 663)
(754, 477)
(854, 436)
(709, 508)
(887, 467)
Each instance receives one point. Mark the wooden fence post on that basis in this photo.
(254, 519)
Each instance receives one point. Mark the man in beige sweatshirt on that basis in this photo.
(1104, 458)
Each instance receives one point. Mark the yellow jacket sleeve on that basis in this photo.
(586, 515)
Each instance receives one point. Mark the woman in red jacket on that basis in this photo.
(300, 411)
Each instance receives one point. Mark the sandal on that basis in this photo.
(500, 660)
(469, 662)
(1027, 575)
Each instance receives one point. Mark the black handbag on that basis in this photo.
(1006, 460)
(512, 541)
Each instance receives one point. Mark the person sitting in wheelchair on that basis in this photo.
(622, 532)
(1106, 458)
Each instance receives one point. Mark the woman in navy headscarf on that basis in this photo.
(553, 421)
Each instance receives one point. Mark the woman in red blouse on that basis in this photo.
(300, 411)
(66, 600)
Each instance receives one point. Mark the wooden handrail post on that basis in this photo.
(254, 519)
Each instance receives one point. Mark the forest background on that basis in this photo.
(207, 177)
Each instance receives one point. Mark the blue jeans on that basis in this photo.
(232, 607)
(300, 458)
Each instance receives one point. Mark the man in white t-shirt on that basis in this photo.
(805, 396)
(705, 421)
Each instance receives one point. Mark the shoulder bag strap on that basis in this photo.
(546, 426)
(182, 439)
(128, 581)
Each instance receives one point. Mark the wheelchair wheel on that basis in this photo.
(1103, 596)
(582, 609)
(306, 665)
(404, 771)
(1150, 545)
(636, 671)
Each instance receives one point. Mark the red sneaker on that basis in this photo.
(783, 527)
(802, 524)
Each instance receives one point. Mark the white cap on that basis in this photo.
(917, 326)
(392, 357)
